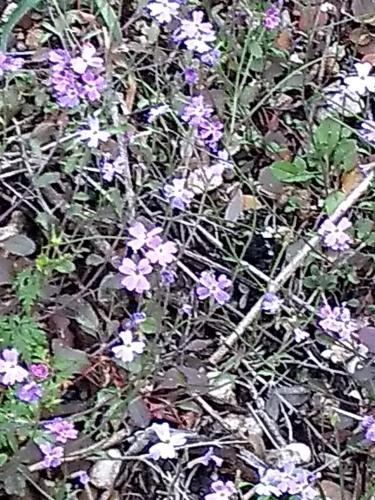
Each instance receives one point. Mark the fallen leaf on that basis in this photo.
(364, 11)
(250, 202)
(19, 244)
(234, 208)
(350, 180)
(312, 17)
(6, 271)
(370, 58)
(269, 184)
(367, 337)
(283, 40)
(333, 491)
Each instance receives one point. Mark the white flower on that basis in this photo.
(129, 347)
(363, 82)
(300, 335)
(206, 178)
(343, 100)
(163, 10)
(168, 442)
(93, 135)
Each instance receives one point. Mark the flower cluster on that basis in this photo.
(198, 114)
(337, 320)
(272, 18)
(154, 252)
(221, 490)
(287, 479)
(271, 303)
(76, 78)
(59, 431)
(9, 63)
(333, 236)
(166, 448)
(211, 287)
(368, 427)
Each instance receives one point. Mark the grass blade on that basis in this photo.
(110, 19)
(22, 8)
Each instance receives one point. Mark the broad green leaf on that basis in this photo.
(22, 8)
(110, 19)
(346, 154)
(327, 136)
(332, 201)
(148, 326)
(287, 171)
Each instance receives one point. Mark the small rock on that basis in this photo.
(333, 491)
(302, 450)
(104, 472)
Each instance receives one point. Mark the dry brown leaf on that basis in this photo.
(349, 180)
(370, 58)
(250, 202)
(363, 40)
(283, 40)
(312, 17)
(130, 94)
(364, 10)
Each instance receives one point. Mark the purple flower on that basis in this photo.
(196, 110)
(163, 11)
(210, 131)
(144, 238)
(59, 58)
(271, 303)
(191, 75)
(109, 167)
(177, 194)
(134, 275)
(93, 135)
(211, 58)
(52, 455)
(195, 33)
(221, 490)
(9, 63)
(289, 480)
(11, 371)
(157, 111)
(208, 457)
(368, 130)
(163, 254)
(167, 276)
(333, 236)
(39, 370)
(272, 18)
(81, 476)
(129, 347)
(87, 59)
(214, 288)
(368, 426)
(186, 309)
(134, 320)
(93, 85)
(62, 430)
(337, 320)
(30, 392)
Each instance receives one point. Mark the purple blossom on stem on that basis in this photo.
(368, 426)
(81, 476)
(208, 457)
(30, 392)
(129, 347)
(272, 18)
(93, 85)
(271, 303)
(337, 320)
(163, 254)
(11, 372)
(191, 75)
(333, 235)
(134, 320)
(214, 288)
(109, 167)
(195, 34)
(196, 110)
(9, 63)
(211, 58)
(62, 430)
(93, 135)
(211, 131)
(177, 194)
(163, 11)
(39, 370)
(143, 238)
(221, 490)
(87, 59)
(52, 455)
(134, 278)
(167, 276)
(186, 309)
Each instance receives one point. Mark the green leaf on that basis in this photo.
(46, 179)
(287, 171)
(3, 459)
(110, 19)
(346, 154)
(332, 201)
(149, 326)
(65, 266)
(327, 136)
(22, 8)
(67, 360)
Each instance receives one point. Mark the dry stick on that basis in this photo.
(290, 269)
